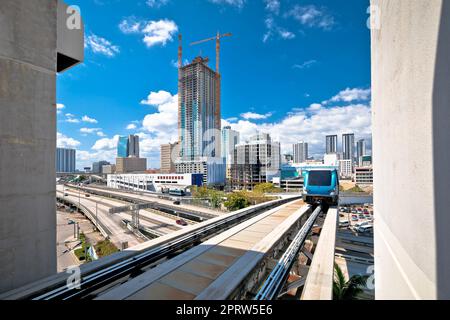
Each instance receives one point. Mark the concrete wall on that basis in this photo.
(411, 148)
(27, 141)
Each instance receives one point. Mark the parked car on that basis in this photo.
(344, 223)
(66, 194)
(354, 218)
(181, 222)
(365, 229)
(177, 203)
(87, 195)
(361, 224)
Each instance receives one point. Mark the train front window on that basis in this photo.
(319, 178)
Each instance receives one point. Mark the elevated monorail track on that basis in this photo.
(112, 273)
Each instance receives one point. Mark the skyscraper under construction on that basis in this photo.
(199, 119)
(199, 116)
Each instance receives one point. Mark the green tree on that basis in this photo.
(216, 198)
(347, 290)
(266, 188)
(237, 201)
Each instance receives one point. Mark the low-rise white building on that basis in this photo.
(154, 182)
(346, 168)
(212, 169)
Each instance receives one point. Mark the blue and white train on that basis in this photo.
(321, 185)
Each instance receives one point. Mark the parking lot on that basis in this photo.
(358, 218)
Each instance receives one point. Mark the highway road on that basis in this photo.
(154, 198)
(113, 223)
(65, 257)
(150, 220)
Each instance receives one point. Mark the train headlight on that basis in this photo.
(333, 194)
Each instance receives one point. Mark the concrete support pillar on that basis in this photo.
(28, 41)
(411, 148)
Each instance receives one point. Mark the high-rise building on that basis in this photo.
(348, 146)
(331, 144)
(122, 147)
(256, 161)
(65, 160)
(199, 116)
(230, 138)
(133, 146)
(128, 146)
(169, 154)
(300, 152)
(97, 167)
(360, 151)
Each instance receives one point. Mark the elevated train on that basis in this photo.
(321, 184)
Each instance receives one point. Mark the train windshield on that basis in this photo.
(319, 178)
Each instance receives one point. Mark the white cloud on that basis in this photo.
(166, 119)
(97, 131)
(155, 32)
(235, 3)
(101, 45)
(312, 16)
(158, 98)
(63, 141)
(59, 107)
(174, 63)
(273, 6)
(130, 25)
(131, 126)
(89, 130)
(72, 120)
(349, 95)
(255, 116)
(157, 3)
(88, 119)
(159, 127)
(305, 65)
(315, 107)
(106, 144)
(159, 32)
(274, 30)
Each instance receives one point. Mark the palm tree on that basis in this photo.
(347, 290)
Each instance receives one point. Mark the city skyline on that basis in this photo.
(146, 103)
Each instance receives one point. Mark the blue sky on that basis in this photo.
(296, 69)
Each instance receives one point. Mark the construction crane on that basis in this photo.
(217, 38)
